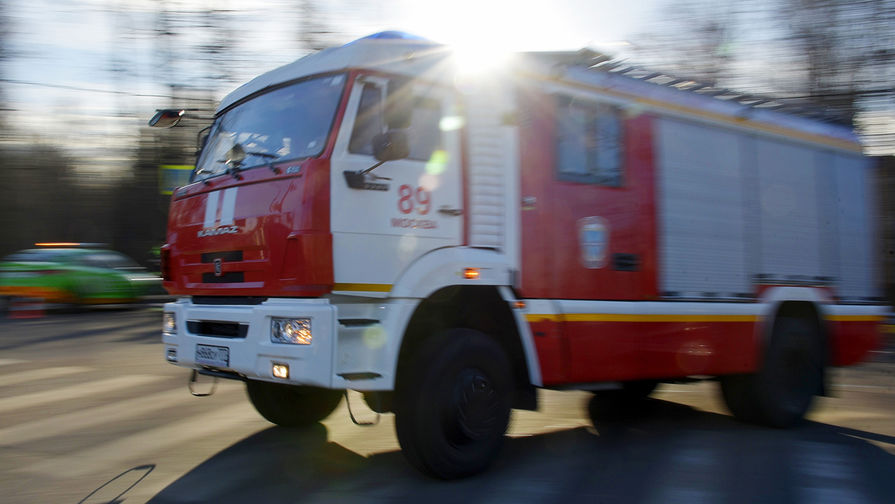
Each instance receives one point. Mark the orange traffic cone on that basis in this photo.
(26, 308)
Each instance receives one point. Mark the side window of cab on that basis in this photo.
(423, 133)
(369, 121)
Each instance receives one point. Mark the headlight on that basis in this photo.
(293, 331)
(169, 323)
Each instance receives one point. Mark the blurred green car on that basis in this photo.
(73, 275)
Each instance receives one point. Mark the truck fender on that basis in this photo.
(774, 297)
(446, 267)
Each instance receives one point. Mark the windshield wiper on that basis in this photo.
(237, 155)
(204, 171)
(271, 157)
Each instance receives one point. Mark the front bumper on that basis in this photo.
(249, 350)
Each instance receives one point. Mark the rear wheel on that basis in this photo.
(781, 392)
(292, 405)
(453, 404)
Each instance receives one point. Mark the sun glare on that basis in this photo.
(476, 59)
(484, 33)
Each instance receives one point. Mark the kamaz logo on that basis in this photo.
(219, 212)
(218, 231)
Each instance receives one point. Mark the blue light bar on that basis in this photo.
(395, 35)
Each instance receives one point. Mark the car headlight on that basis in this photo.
(292, 331)
(169, 323)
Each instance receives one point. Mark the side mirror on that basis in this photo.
(166, 118)
(398, 103)
(202, 139)
(391, 145)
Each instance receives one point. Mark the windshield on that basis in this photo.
(291, 122)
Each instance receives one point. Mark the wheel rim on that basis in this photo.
(474, 409)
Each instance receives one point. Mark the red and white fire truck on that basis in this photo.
(373, 218)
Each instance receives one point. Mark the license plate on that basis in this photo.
(211, 355)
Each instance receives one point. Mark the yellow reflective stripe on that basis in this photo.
(363, 287)
(627, 317)
(855, 318)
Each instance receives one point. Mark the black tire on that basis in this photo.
(452, 404)
(783, 389)
(380, 402)
(292, 405)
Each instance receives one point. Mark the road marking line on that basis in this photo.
(846, 386)
(110, 457)
(78, 391)
(91, 417)
(40, 374)
(6, 362)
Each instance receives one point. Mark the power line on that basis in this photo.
(89, 90)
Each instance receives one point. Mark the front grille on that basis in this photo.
(231, 277)
(219, 259)
(217, 329)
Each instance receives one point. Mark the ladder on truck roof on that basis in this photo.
(596, 61)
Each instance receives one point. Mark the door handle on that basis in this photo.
(450, 211)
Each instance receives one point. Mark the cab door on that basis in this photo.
(385, 218)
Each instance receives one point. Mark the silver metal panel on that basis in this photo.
(856, 220)
(702, 225)
(491, 157)
(788, 209)
(830, 240)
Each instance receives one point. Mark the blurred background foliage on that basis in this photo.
(91, 174)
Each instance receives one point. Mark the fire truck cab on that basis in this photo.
(372, 218)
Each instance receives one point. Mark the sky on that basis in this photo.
(61, 87)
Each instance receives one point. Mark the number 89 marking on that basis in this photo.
(410, 198)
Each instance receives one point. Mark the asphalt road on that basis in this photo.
(91, 412)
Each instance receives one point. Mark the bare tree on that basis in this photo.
(834, 56)
(843, 60)
(314, 33)
(693, 38)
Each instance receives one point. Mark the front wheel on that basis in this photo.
(292, 405)
(453, 404)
